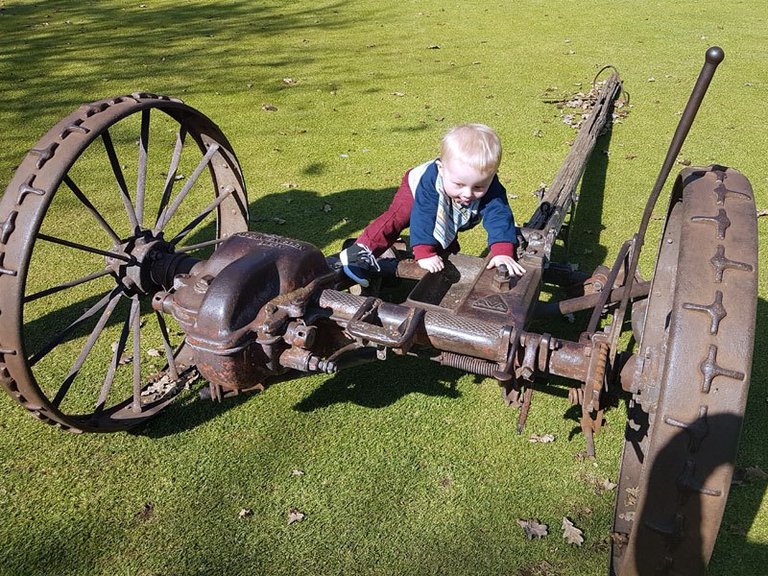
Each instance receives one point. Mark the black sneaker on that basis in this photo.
(359, 263)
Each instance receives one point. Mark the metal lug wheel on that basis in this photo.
(104, 211)
(691, 378)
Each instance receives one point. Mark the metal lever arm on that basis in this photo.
(712, 58)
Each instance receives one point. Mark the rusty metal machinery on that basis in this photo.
(248, 306)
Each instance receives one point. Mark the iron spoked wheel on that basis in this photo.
(691, 379)
(111, 203)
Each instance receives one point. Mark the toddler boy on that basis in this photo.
(437, 200)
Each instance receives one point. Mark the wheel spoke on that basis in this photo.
(65, 285)
(84, 248)
(141, 180)
(92, 209)
(170, 211)
(200, 217)
(105, 315)
(193, 247)
(116, 356)
(169, 355)
(61, 336)
(118, 172)
(172, 169)
(136, 328)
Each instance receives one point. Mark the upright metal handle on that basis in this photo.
(712, 58)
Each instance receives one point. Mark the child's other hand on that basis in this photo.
(514, 267)
(431, 264)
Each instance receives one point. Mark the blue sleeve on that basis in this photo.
(498, 220)
(424, 211)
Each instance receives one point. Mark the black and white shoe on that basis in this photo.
(359, 263)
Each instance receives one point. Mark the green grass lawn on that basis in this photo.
(406, 467)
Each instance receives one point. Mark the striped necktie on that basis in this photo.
(450, 216)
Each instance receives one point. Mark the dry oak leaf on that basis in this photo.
(295, 515)
(756, 472)
(533, 528)
(543, 439)
(572, 534)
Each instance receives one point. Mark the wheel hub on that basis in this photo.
(150, 266)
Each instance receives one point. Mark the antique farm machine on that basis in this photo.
(87, 275)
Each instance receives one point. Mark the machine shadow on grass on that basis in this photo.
(748, 491)
(684, 511)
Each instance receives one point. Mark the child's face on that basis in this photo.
(462, 182)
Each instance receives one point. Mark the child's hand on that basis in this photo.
(512, 265)
(431, 264)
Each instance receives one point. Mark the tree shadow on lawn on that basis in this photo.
(121, 43)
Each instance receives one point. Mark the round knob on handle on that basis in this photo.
(714, 55)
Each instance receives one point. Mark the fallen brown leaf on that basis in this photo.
(245, 513)
(533, 528)
(572, 534)
(295, 515)
(544, 439)
(756, 472)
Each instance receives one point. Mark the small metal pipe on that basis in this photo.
(605, 294)
(572, 305)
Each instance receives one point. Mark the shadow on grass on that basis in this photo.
(672, 520)
(677, 524)
(375, 386)
(583, 228)
(175, 41)
(733, 548)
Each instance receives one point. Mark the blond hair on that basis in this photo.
(475, 144)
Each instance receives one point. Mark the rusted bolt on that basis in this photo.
(501, 279)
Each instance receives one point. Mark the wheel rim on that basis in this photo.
(109, 205)
(692, 380)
